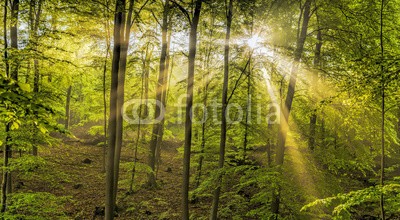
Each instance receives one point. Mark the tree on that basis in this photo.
(383, 109)
(285, 110)
(194, 21)
(217, 191)
(160, 96)
(114, 96)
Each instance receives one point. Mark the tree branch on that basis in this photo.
(183, 10)
(238, 80)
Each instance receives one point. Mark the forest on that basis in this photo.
(200, 109)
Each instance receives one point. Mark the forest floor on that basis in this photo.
(76, 171)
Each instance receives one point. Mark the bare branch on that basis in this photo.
(155, 18)
(183, 10)
(238, 80)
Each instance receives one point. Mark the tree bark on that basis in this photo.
(135, 158)
(107, 27)
(313, 123)
(164, 101)
(222, 143)
(5, 39)
(34, 28)
(383, 109)
(14, 38)
(205, 104)
(398, 123)
(317, 61)
(248, 113)
(110, 185)
(67, 108)
(7, 180)
(189, 104)
(125, 35)
(159, 95)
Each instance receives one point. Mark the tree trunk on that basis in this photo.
(398, 123)
(67, 108)
(269, 146)
(110, 203)
(189, 104)
(222, 143)
(205, 104)
(285, 110)
(248, 112)
(311, 137)
(313, 117)
(107, 28)
(34, 28)
(164, 101)
(383, 109)
(5, 39)
(14, 38)
(159, 95)
(144, 66)
(125, 35)
(7, 180)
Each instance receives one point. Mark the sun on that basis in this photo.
(254, 41)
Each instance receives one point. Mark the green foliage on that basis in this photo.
(27, 164)
(35, 206)
(361, 203)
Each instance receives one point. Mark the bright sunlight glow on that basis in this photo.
(254, 42)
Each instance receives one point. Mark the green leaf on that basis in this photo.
(15, 125)
(42, 129)
(25, 87)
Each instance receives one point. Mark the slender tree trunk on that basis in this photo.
(322, 130)
(205, 104)
(110, 185)
(222, 143)
(285, 110)
(164, 101)
(125, 35)
(14, 38)
(269, 146)
(7, 180)
(159, 93)
(313, 117)
(248, 110)
(5, 39)
(34, 28)
(5, 173)
(189, 104)
(142, 112)
(138, 132)
(35, 20)
(108, 43)
(398, 123)
(6, 156)
(67, 108)
(383, 109)
(313, 124)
